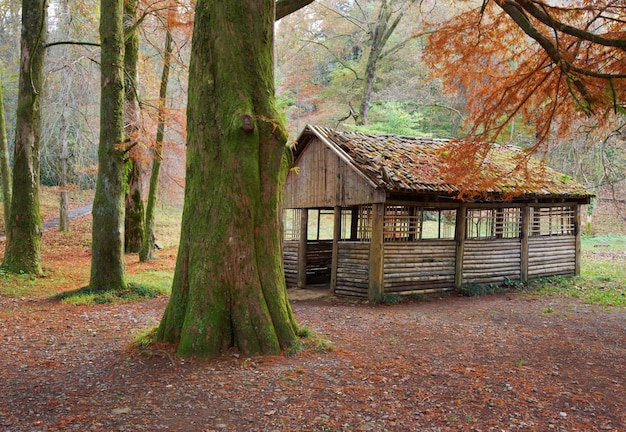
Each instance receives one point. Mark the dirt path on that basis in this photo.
(76, 213)
(54, 222)
(494, 363)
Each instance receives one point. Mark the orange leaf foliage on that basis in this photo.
(555, 76)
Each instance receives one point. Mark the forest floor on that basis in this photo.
(506, 362)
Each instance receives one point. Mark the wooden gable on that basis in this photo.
(321, 177)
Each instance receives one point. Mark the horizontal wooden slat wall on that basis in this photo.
(419, 266)
(353, 268)
(551, 256)
(490, 261)
(290, 261)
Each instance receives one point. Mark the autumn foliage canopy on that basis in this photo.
(558, 66)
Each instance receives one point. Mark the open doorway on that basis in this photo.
(319, 247)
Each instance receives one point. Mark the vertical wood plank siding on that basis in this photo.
(353, 268)
(290, 261)
(422, 265)
(551, 256)
(489, 261)
(322, 179)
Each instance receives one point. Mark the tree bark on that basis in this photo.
(147, 247)
(381, 33)
(134, 219)
(5, 171)
(64, 204)
(229, 286)
(380, 29)
(23, 252)
(108, 270)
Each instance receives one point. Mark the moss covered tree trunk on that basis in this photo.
(229, 287)
(147, 247)
(23, 252)
(134, 219)
(107, 260)
(5, 171)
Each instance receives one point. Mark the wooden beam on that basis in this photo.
(376, 261)
(524, 243)
(304, 227)
(335, 259)
(459, 238)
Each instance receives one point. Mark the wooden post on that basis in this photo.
(459, 238)
(525, 233)
(577, 233)
(335, 259)
(304, 228)
(354, 223)
(376, 261)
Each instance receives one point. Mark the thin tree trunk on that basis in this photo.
(381, 33)
(380, 28)
(147, 247)
(5, 171)
(108, 271)
(64, 204)
(23, 252)
(229, 286)
(134, 219)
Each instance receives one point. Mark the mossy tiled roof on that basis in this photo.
(404, 164)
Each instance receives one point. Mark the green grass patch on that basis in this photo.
(594, 290)
(87, 296)
(606, 241)
(145, 338)
(309, 340)
(474, 289)
(157, 280)
(602, 278)
(168, 222)
(18, 285)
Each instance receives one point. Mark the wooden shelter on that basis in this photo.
(376, 214)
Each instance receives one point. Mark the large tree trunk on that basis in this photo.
(134, 229)
(23, 252)
(108, 270)
(229, 287)
(147, 248)
(5, 171)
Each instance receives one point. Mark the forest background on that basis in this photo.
(364, 65)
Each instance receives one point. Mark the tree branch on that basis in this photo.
(286, 7)
(514, 10)
(570, 30)
(51, 44)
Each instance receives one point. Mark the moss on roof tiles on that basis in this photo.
(417, 164)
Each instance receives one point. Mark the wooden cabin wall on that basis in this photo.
(431, 265)
(353, 268)
(551, 256)
(491, 260)
(323, 179)
(419, 266)
(290, 262)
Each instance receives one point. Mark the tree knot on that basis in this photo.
(246, 123)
